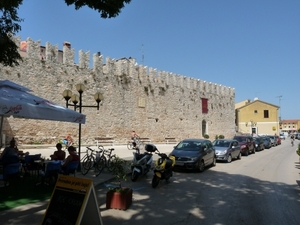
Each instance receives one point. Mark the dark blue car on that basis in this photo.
(267, 142)
(194, 154)
(259, 143)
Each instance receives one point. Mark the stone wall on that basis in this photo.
(156, 104)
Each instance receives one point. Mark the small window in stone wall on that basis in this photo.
(204, 105)
(255, 111)
(142, 102)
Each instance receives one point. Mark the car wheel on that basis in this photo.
(247, 152)
(229, 159)
(239, 156)
(201, 166)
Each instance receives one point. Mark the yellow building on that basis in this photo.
(290, 126)
(257, 117)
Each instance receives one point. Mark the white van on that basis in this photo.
(283, 135)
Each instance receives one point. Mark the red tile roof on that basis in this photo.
(289, 121)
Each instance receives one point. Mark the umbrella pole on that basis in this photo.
(79, 149)
(1, 125)
(79, 136)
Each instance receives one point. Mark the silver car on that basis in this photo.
(227, 149)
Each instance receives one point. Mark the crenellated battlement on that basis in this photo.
(118, 67)
(158, 104)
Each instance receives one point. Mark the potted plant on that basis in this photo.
(119, 197)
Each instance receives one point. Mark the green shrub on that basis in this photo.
(221, 136)
(298, 150)
(216, 137)
(206, 136)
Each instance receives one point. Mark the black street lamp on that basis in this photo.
(67, 94)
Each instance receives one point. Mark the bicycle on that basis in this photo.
(138, 142)
(91, 159)
(106, 157)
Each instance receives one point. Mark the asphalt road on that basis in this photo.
(259, 189)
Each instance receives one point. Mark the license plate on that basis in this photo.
(179, 163)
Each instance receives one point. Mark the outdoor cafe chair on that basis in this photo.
(51, 172)
(10, 171)
(71, 168)
(29, 165)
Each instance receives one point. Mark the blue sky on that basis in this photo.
(250, 45)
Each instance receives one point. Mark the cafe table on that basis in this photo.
(44, 171)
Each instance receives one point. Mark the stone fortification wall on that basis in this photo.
(156, 104)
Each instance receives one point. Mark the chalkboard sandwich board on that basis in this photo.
(73, 202)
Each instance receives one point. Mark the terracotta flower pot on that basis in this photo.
(119, 200)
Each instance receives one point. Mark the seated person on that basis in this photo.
(59, 154)
(71, 157)
(9, 154)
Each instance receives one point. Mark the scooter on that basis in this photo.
(163, 169)
(141, 163)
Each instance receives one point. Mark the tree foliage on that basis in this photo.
(106, 8)
(9, 54)
(9, 23)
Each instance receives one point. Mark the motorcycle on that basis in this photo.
(163, 169)
(141, 163)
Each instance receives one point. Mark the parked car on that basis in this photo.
(227, 149)
(194, 154)
(282, 136)
(259, 143)
(278, 139)
(273, 141)
(267, 142)
(247, 144)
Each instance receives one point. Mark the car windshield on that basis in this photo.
(189, 146)
(240, 139)
(221, 143)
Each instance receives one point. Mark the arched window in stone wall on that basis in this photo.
(204, 131)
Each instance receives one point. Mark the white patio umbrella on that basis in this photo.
(16, 100)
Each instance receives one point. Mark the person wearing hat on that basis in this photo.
(71, 157)
(59, 154)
